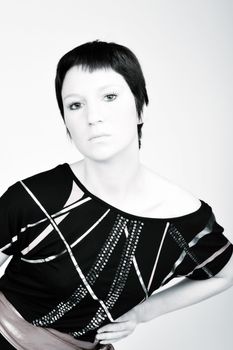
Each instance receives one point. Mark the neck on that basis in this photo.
(115, 177)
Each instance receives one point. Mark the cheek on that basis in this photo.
(129, 116)
(74, 125)
(126, 110)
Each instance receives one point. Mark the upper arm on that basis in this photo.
(211, 251)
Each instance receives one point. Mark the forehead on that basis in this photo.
(79, 79)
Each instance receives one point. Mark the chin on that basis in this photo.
(102, 154)
(105, 152)
(100, 157)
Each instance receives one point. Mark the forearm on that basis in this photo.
(184, 293)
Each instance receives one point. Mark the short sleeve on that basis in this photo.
(209, 250)
(9, 221)
(203, 248)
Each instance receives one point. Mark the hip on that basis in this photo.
(17, 333)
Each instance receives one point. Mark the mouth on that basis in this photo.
(98, 137)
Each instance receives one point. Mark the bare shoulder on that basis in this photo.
(182, 202)
(174, 200)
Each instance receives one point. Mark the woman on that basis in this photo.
(91, 241)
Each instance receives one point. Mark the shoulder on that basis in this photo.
(181, 201)
(48, 177)
(175, 200)
(51, 187)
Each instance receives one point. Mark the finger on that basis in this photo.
(110, 341)
(111, 335)
(114, 327)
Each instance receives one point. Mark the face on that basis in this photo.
(99, 103)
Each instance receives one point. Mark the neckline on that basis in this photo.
(130, 215)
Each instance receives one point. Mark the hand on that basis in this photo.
(120, 328)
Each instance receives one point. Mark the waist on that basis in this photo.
(25, 336)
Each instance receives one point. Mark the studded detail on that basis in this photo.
(62, 308)
(123, 269)
(120, 279)
(179, 239)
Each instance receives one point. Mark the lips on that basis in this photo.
(95, 136)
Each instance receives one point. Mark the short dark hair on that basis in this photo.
(100, 54)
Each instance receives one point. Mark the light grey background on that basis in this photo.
(185, 48)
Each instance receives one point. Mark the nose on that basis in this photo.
(93, 115)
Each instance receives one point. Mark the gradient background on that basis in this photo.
(185, 48)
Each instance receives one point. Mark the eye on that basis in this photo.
(111, 95)
(74, 106)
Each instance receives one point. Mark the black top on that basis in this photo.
(79, 263)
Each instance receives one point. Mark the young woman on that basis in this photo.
(91, 241)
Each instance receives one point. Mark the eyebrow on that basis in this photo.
(99, 89)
